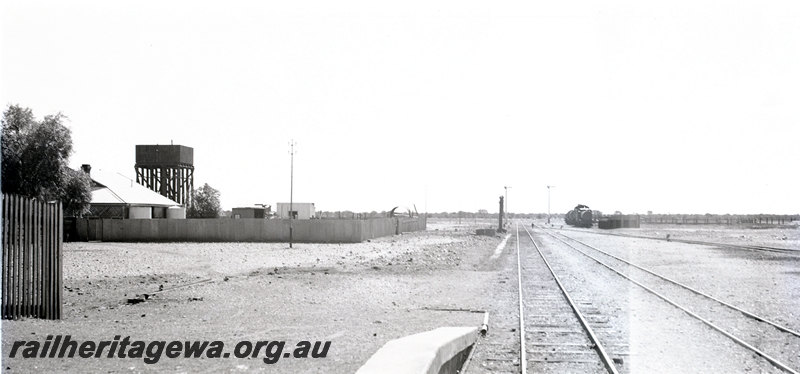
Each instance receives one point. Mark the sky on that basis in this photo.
(622, 105)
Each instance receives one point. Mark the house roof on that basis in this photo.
(115, 188)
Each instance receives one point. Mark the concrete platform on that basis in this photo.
(426, 352)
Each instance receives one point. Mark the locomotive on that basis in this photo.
(581, 216)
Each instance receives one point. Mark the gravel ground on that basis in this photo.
(498, 351)
(765, 283)
(649, 335)
(358, 296)
(779, 236)
(657, 336)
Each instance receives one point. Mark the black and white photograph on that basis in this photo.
(400, 187)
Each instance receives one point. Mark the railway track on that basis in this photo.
(556, 330)
(721, 316)
(699, 242)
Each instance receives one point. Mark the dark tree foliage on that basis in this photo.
(205, 203)
(76, 192)
(34, 156)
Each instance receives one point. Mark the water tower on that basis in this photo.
(166, 169)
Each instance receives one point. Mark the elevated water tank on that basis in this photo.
(176, 212)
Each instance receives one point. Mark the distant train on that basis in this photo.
(581, 216)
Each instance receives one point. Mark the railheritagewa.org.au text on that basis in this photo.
(151, 352)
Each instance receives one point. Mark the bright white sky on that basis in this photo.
(631, 105)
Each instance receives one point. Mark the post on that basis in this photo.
(500, 217)
(291, 189)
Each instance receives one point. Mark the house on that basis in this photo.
(299, 210)
(251, 212)
(117, 196)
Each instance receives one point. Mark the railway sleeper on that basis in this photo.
(556, 331)
(567, 361)
(561, 353)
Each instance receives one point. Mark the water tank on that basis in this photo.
(176, 212)
(140, 212)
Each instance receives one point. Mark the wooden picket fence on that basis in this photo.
(32, 261)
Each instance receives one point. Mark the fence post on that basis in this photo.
(5, 255)
(31, 258)
(17, 256)
(37, 248)
(59, 258)
(49, 266)
(26, 261)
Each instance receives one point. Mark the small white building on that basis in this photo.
(300, 210)
(117, 196)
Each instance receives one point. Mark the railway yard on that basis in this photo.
(628, 301)
(559, 299)
(366, 187)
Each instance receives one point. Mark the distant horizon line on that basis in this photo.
(561, 213)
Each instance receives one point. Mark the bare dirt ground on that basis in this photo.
(778, 236)
(656, 336)
(762, 282)
(358, 296)
(767, 283)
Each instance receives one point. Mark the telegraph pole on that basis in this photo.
(292, 143)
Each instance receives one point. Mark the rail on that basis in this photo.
(604, 357)
(691, 241)
(736, 339)
(523, 362)
(749, 314)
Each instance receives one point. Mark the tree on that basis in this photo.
(205, 203)
(34, 156)
(76, 192)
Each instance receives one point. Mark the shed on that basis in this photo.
(251, 212)
(300, 210)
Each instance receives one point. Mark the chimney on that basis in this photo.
(87, 169)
